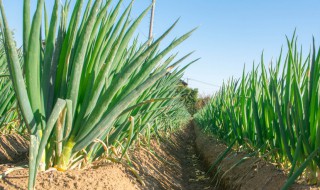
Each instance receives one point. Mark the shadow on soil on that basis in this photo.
(13, 149)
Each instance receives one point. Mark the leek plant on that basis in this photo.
(81, 76)
(275, 109)
(159, 101)
(145, 116)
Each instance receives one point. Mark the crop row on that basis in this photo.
(273, 110)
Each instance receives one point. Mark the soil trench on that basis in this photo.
(174, 164)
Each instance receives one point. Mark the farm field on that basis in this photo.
(89, 101)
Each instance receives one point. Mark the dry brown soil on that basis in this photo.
(166, 164)
(173, 164)
(109, 176)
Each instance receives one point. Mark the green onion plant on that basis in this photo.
(83, 73)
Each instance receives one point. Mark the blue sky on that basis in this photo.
(231, 33)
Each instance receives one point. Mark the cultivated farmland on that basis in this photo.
(87, 103)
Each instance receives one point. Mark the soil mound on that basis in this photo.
(252, 173)
(109, 177)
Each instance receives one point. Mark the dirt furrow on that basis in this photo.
(173, 164)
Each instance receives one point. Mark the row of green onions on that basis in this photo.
(87, 84)
(274, 109)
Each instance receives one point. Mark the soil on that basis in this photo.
(178, 162)
(110, 176)
(173, 164)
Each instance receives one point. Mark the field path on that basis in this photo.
(173, 164)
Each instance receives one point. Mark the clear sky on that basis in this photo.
(231, 32)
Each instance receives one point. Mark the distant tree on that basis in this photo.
(189, 97)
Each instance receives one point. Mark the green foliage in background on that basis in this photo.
(10, 118)
(189, 97)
